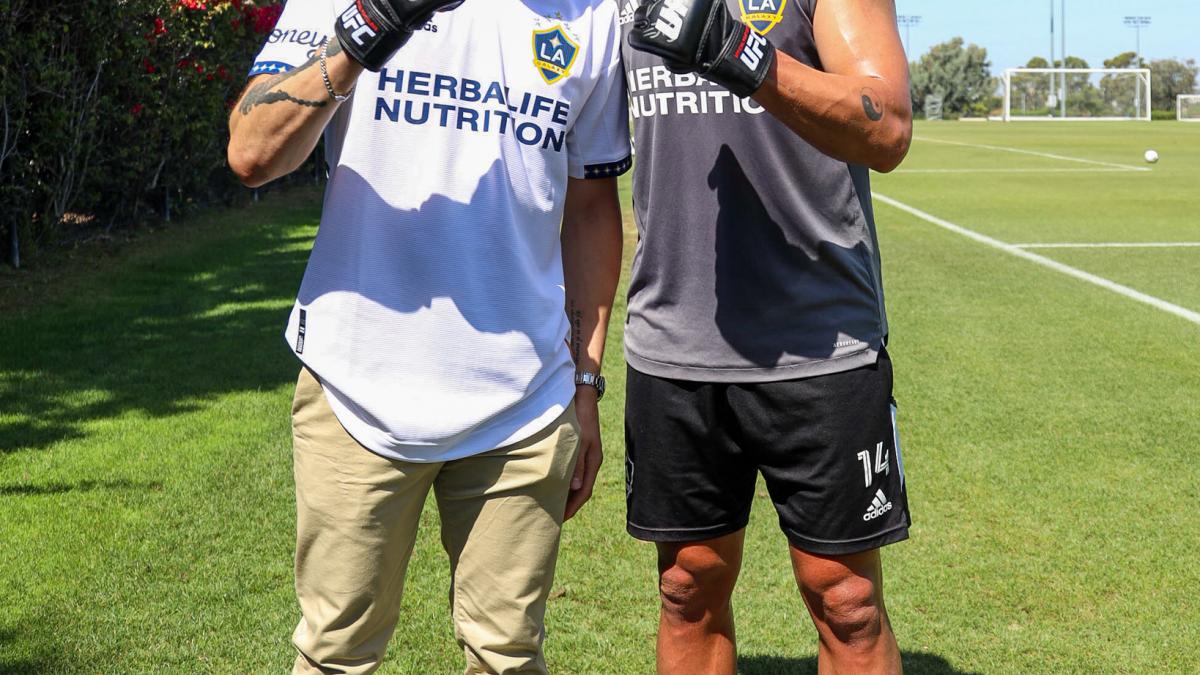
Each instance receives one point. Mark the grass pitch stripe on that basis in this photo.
(1126, 291)
(1035, 153)
(953, 171)
(1117, 244)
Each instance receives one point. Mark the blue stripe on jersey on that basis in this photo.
(608, 170)
(896, 443)
(269, 68)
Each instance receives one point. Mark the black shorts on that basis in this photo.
(827, 447)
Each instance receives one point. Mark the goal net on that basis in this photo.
(1076, 94)
(1188, 107)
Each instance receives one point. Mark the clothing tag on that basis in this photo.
(300, 332)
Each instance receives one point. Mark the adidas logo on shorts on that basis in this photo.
(879, 506)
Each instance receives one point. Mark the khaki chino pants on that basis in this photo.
(357, 515)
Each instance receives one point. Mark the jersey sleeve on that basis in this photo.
(598, 143)
(301, 29)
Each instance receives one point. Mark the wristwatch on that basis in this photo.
(592, 380)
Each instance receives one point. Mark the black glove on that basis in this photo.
(700, 36)
(372, 30)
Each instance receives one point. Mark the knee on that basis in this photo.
(695, 585)
(851, 608)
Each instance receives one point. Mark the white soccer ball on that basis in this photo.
(1151, 156)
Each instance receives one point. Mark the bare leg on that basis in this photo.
(695, 628)
(844, 596)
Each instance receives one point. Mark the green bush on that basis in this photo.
(111, 111)
(1163, 115)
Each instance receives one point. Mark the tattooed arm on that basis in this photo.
(279, 118)
(858, 109)
(591, 250)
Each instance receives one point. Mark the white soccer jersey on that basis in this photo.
(432, 305)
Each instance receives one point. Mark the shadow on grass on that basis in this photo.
(82, 486)
(44, 661)
(163, 334)
(915, 663)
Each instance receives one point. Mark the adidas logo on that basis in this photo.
(627, 11)
(879, 506)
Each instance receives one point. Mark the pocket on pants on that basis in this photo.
(308, 388)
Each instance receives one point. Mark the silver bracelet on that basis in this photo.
(325, 76)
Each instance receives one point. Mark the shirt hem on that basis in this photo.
(811, 368)
(547, 411)
(521, 421)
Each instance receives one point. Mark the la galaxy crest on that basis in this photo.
(762, 15)
(554, 53)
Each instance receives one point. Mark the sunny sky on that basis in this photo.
(1015, 30)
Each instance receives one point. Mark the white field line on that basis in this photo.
(1035, 153)
(1126, 291)
(1117, 244)
(1098, 170)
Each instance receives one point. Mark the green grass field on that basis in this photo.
(1050, 426)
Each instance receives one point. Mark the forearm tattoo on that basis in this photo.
(334, 48)
(269, 92)
(575, 317)
(872, 105)
(256, 98)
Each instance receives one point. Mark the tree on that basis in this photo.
(960, 73)
(112, 109)
(1123, 60)
(1168, 79)
(1121, 92)
(1032, 90)
(1083, 98)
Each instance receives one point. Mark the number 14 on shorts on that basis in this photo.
(881, 463)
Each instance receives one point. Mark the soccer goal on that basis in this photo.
(1076, 94)
(1188, 108)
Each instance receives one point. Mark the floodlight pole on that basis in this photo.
(1062, 29)
(908, 21)
(1051, 33)
(1137, 23)
(1052, 90)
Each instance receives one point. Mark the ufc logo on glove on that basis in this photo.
(702, 37)
(752, 52)
(670, 19)
(353, 20)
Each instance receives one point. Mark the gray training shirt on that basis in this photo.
(757, 258)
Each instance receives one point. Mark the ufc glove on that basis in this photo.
(372, 30)
(700, 36)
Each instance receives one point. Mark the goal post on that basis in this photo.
(1187, 108)
(1076, 94)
